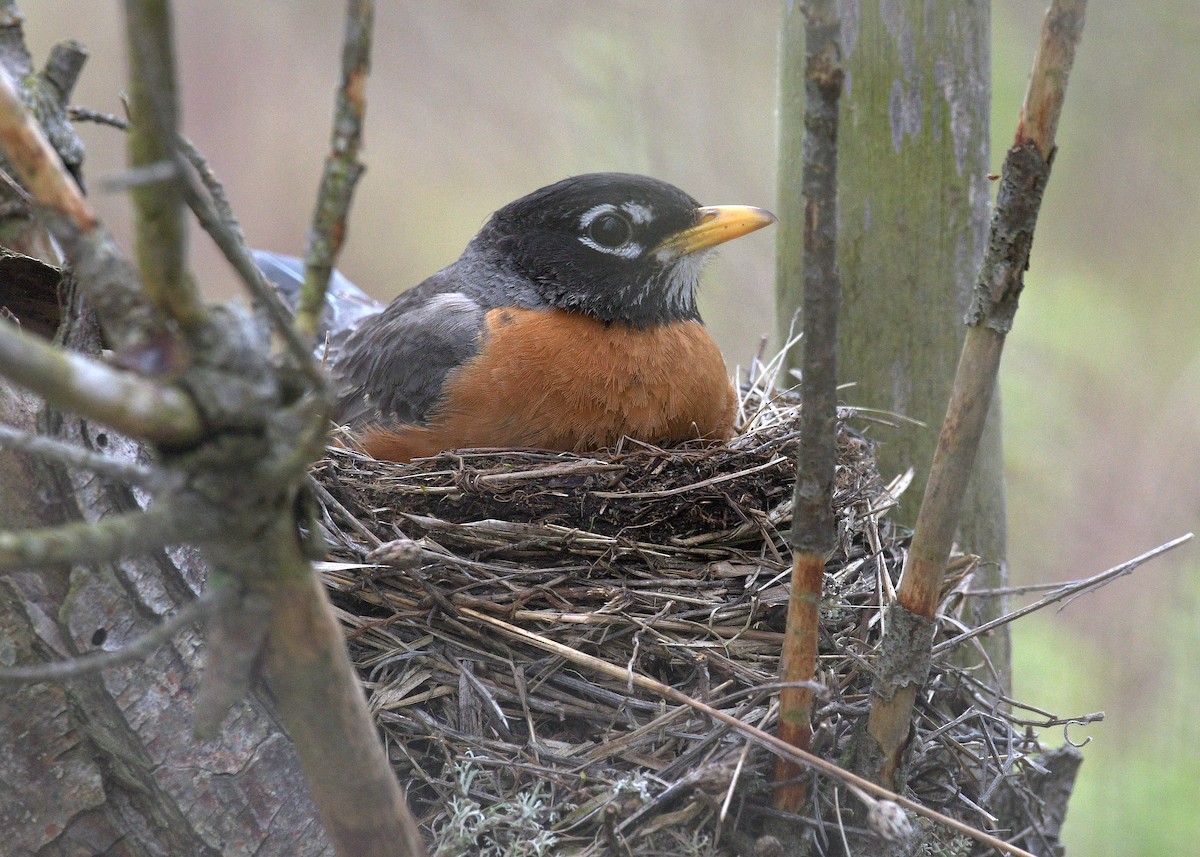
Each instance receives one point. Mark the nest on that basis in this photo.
(452, 572)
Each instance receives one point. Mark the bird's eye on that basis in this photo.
(610, 230)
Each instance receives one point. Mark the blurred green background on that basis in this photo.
(472, 104)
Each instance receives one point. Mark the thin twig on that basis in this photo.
(813, 526)
(216, 218)
(994, 304)
(814, 529)
(1062, 29)
(127, 318)
(110, 538)
(221, 208)
(77, 457)
(342, 168)
(137, 177)
(1066, 591)
(136, 406)
(158, 206)
(85, 665)
(37, 163)
(683, 489)
(84, 114)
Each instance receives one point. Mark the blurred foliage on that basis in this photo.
(473, 104)
(1102, 405)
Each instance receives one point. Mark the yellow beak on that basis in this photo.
(715, 224)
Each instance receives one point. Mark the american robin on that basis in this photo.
(569, 321)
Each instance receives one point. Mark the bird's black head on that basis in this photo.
(616, 246)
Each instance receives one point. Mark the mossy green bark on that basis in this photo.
(913, 201)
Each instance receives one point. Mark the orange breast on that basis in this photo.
(558, 380)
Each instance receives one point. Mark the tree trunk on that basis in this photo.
(108, 764)
(105, 764)
(913, 203)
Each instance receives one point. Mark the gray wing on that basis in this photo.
(393, 366)
(390, 364)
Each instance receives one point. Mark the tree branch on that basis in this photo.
(133, 405)
(12, 39)
(1062, 28)
(242, 488)
(127, 318)
(85, 665)
(342, 168)
(319, 696)
(97, 541)
(77, 457)
(1068, 590)
(36, 161)
(234, 643)
(1001, 279)
(63, 66)
(814, 529)
(216, 218)
(158, 206)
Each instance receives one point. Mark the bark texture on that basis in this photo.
(106, 764)
(814, 530)
(913, 199)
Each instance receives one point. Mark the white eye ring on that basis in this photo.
(600, 217)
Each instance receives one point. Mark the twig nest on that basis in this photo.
(671, 563)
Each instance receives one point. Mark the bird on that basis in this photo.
(569, 321)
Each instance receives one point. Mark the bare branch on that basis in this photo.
(99, 541)
(84, 114)
(12, 38)
(234, 644)
(137, 177)
(63, 66)
(84, 665)
(1062, 28)
(77, 457)
(342, 168)
(36, 161)
(131, 404)
(813, 527)
(111, 284)
(266, 430)
(158, 206)
(325, 712)
(994, 304)
(216, 217)
(814, 530)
